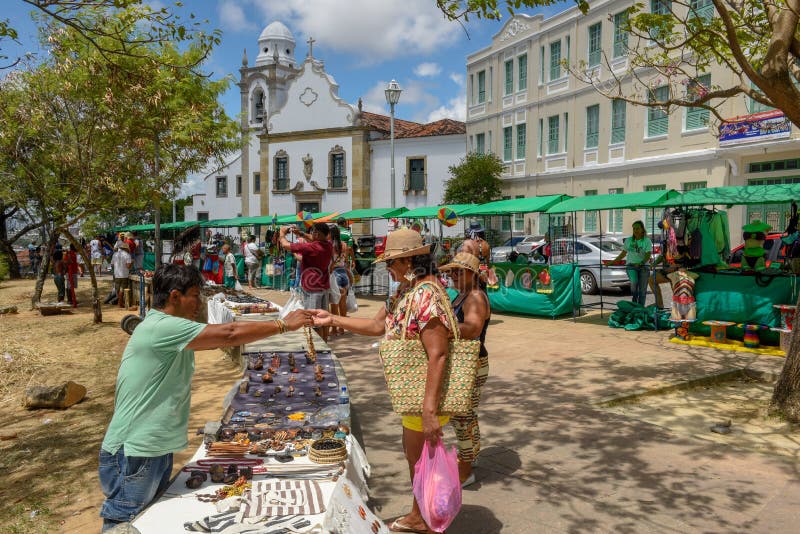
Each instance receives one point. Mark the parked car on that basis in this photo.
(500, 254)
(772, 245)
(589, 252)
(380, 245)
(528, 243)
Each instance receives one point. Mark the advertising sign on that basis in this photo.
(756, 127)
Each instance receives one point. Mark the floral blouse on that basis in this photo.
(424, 303)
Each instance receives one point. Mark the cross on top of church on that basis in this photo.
(311, 42)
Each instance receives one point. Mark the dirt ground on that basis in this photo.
(50, 467)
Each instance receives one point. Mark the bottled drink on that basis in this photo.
(344, 403)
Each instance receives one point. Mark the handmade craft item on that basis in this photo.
(754, 234)
(684, 305)
(718, 330)
(311, 352)
(751, 339)
(447, 216)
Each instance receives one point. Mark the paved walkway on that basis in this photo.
(553, 462)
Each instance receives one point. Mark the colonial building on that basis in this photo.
(305, 148)
(559, 135)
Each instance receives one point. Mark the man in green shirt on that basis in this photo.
(153, 395)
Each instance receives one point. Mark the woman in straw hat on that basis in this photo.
(471, 307)
(413, 300)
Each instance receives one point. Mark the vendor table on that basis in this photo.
(343, 498)
(742, 299)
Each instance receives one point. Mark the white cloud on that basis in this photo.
(427, 69)
(455, 109)
(372, 30)
(232, 16)
(457, 79)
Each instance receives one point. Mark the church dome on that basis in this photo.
(276, 30)
(276, 44)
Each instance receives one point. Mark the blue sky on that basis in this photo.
(364, 44)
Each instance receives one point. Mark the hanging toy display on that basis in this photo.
(544, 282)
(754, 234)
(447, 216)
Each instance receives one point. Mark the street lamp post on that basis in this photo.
(392, 91)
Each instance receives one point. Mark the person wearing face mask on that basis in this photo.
(415, 305)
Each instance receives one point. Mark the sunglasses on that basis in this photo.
(759, 236)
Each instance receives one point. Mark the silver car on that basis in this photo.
(500, 254)
(589, 253)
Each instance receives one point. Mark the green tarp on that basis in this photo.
(515, 298)
(642, 199)
(737, 195)
(515, 205)
(431, 212)
(373, 213)
(634, 316)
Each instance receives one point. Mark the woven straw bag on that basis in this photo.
(405, 366)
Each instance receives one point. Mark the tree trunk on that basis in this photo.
(7, 250)
(44, 269)
(96, 305)
(786, 396)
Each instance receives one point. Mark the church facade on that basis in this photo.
(305, 149)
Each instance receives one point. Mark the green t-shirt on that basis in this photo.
(346, 236)
(154, 385)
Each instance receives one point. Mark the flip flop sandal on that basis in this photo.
(397, 526)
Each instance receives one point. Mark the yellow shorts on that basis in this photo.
(414, 422)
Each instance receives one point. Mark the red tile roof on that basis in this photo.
(405, 129)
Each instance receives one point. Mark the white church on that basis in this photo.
(307, 149)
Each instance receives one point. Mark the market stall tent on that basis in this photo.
(737, 195)
(373, 213)
(432, 212)
(515, 205)
(641, 199)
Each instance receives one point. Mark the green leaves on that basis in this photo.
(476, 179)
(489, 9)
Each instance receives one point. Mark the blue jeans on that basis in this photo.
(130, 483)
(341, 277)
(638, 275)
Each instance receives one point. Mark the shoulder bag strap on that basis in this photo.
(447, 308)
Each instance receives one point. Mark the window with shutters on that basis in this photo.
(281, 165)
(480, 143)
(702, 9)
(522, 72)
(519, 219)
(566, 131)
(482, 87)
(337, 173)
(620, 35)
(507, 144)
(238, 185)
(555, 60)
(618, 121)
(697, 118)
(691, 186)
(540, 150)
(650, 214)
(256, 182)
(509, 73)
(521, 140)
(592, 126)
(659, 7)
(595, 50)
(222, 186)
(615, 216)
(590, 217)
(552, 134)
(417, 178)
(541, 66)
(657, 117)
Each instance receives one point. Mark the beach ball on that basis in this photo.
(447, 216)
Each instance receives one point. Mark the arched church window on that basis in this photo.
(281, 171)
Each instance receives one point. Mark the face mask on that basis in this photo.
(394, 285)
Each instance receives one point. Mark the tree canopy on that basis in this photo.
(475, 180)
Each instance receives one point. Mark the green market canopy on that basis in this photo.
(642, 199)
(374, 213)
(516, 205)
(737, 195)
(431, 212)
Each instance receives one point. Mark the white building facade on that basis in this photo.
(306, 149)
(560, 136)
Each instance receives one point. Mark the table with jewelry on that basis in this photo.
(281, 458)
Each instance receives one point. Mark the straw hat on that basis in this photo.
(463, 260)
(123, 245)
(403, 243)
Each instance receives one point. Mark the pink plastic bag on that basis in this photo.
(437, 486)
